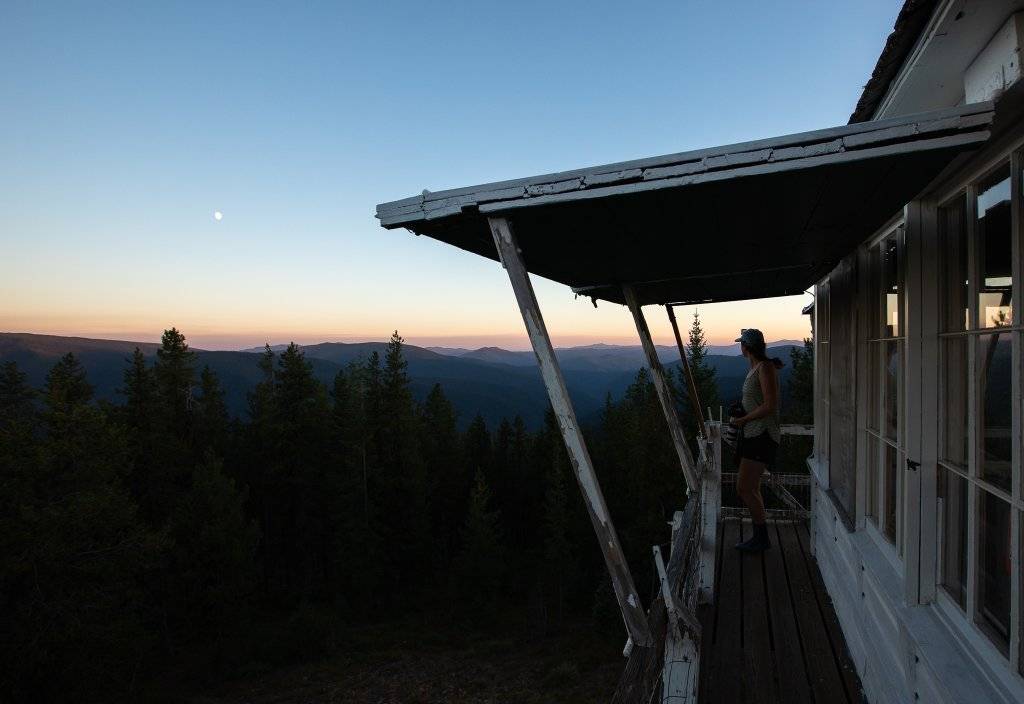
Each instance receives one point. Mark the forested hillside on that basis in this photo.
(156, 544)
(491, 382)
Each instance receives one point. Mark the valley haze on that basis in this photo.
(492, 381)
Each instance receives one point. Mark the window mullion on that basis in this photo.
(970, 219)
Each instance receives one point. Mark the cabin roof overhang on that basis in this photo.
(750, 220)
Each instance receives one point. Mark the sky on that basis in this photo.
(125, 126)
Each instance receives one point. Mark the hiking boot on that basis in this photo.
(758, 542)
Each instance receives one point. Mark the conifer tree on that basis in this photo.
(402, 469)
(298, 544)
(209, 574)
(357, 543)
(397, 407)
(478, 447)
(372, 408)
(704, 375)
(482, 562)
(174, 372)
(447, 487)
(211, 413)
(557, 548)
(67, 386)
(800, 406)
(139, 393)
(16, 398)
(71, 550)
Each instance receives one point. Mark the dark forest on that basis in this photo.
(159, 538)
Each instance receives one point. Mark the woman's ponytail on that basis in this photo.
(760, 353)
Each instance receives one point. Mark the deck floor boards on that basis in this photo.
(772, 635)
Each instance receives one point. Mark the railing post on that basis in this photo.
(711, 502)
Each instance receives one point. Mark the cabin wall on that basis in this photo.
(899, 373)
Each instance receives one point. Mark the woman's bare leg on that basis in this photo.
(748, 485)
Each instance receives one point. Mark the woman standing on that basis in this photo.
(758, 432)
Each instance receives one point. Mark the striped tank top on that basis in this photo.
(752, 398)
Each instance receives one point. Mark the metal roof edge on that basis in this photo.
(936, 129)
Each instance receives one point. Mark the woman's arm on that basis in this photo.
(769, 380)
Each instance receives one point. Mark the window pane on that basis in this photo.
(891, 392)
(994, 568)
(892, 285)
(952, 491)
(874, 382)
(995, 254)
(995, 422)
(871, 463)
(893, 479)
(954, 400)
(953, 233)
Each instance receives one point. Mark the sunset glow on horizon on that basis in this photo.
(570, 323)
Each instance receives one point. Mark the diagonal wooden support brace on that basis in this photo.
(622, 580)
(668, 405)
(678, 618)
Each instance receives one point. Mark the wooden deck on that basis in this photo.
(772, 635)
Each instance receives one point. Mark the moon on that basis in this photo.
(217, 215)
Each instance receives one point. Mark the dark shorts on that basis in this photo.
(760, 448)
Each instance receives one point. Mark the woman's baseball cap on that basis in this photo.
(751, 337)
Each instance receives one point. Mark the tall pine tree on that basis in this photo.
(704, 376)
(174, 373)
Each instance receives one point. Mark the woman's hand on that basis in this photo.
(739, 422)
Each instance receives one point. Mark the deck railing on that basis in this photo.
(669, 669)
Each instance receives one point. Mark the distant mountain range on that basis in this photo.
(494, 382)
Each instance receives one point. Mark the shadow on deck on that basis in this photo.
(772, 634)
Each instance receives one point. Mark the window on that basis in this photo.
(885, 321)
(952, 492)
(978, 477)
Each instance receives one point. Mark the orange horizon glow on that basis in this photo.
(570, 323)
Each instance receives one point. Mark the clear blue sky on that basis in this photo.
(124, 126)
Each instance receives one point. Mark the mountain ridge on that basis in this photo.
(496, 383)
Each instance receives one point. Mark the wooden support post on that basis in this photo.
(675, 427)
(691, 383)
(711, 502)
(681, 663)
(622, 580)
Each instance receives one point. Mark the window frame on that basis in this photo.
(872, 424)
(968, 619)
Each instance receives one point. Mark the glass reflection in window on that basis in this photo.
(891, 285)
(995, 253)
(954, 400)
(891, 411)
(995, 422)
(994, 569)
(952, 491)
